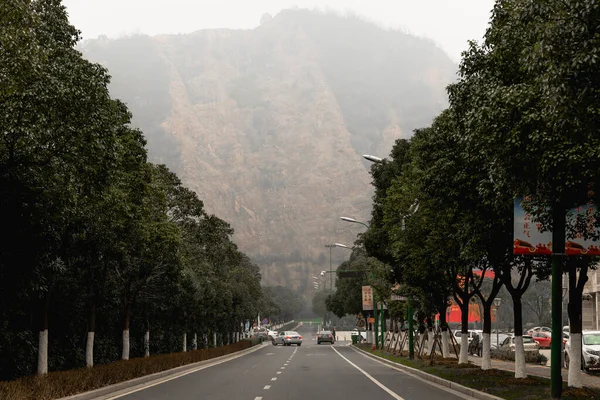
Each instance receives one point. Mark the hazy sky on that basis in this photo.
(450, 23)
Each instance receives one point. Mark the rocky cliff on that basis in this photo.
(268, 125)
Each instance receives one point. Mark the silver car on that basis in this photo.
(287, 338)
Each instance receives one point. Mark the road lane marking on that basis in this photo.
(273, 379)
(267, 387)
(282, 368)
(179, 375)
(258, 398)
(375, 381)
(278, 372)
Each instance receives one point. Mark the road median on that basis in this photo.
(105, 381)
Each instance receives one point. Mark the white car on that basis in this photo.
(271, 334)
(458, 335)
(529, 345)
(590, 350)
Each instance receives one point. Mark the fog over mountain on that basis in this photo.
(268, 125)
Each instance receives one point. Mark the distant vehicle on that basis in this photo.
(260, 333)
(590, 350)
(356, 332)
(458, 335)
(529, 345)
(271, 334)
(544, 339)
(287, 338)
(325, 336)
(539, 329)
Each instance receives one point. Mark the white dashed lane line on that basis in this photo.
(267, 387)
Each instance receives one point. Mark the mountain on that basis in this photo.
(268, 125)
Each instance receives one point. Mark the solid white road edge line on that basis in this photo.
(375, 381)
(128, 392)
(437, 385)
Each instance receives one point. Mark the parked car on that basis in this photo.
(544, 339)
(287, 338)
(271, 334)
(458, 334)
(356, 332)
(539, 329)
(501, 337)
(325, 336)
(529, 345)
(590, 350)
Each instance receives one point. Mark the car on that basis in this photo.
(539, 329)
(361, 334)
(325, 336)
(529, 345)
(261, 333)
(544, 339)
(287, 338)
(271, 334)
(590, 350)
(458, 335)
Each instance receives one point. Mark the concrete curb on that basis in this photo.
(108, 391)
(432, 378)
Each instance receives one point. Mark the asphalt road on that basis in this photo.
(310, 371)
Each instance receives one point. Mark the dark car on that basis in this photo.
(325, 336)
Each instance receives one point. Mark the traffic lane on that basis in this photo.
(406, 386)
(240, 378)
(317, 372)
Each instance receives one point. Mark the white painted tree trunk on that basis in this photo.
(486, 361)
(184, 349)
(520, 368)
(445, 344)
(214, 339)
(574, 354)
(430, 339)
(89, 350)
(125, 353)
(195, 342)
(43, 353)
(421, 338)
(464, 348)
(147, 343)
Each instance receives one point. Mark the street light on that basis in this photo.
(373, 158)
(348, 219)
(497, 302)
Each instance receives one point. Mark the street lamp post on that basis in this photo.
(330, 246)
(348, 219)
(497, 302)
(412, 209)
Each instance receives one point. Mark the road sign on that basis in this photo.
(360, 323)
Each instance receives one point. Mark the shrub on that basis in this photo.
(66, 383)
(530, 357)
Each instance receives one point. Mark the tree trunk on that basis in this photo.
(195, 342)
(445, 331)
(42, 368)
(184, 349)
(126, 318)
(214, 339)
(89, 345)
(464, 340)
(520, 367)
(486, 362)
(147, 343)
(430, 335)
(574, 310)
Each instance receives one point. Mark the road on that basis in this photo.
(309, 371)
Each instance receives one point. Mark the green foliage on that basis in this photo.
(96, 238)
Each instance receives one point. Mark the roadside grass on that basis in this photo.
(496, 382)
(66, 383)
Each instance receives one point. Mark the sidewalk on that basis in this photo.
(589, 380)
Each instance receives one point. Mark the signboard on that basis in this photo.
(360, 323)
(367, 298)
(371, 320)
(530, 239)
(396, 297)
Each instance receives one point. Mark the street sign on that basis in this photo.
(360, 323)
(367, 298)
(396, 297)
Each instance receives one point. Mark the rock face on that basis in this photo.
(268, 125)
